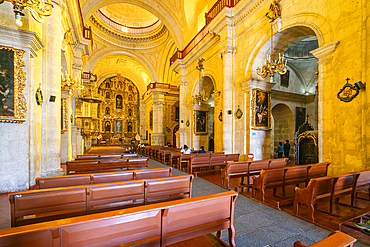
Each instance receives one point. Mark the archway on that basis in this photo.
(283, 128)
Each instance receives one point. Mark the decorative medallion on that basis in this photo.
(220, 116)
(39, 97)
(168, 129)
(239, 113)
(348, 92)
(187, 123)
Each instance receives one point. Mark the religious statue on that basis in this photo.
(274, 11)
(200, 64)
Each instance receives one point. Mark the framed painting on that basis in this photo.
(201, 121)
(13, 105)
(284, 79)
(261, 109)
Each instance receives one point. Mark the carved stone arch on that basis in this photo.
(157, 8)
(112, 50)
(319, 26)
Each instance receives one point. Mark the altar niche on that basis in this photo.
(306, 145)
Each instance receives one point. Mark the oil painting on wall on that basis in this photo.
(201, 120)
(12, 81)
(261, 109)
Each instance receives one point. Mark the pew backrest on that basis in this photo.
(275, 163)
(99, 178)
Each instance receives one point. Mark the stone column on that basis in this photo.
(142, 121)
(51, 86)
(182, 125)
(325, 55)
(66, 141)
(158, 117)
(228, 99)
(218, 144)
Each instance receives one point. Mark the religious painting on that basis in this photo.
(201, 120)
(261, 109)
(13, 106)
(119, 102)
(284, 79)
(107, 126)
(118, 125)
(300, 117)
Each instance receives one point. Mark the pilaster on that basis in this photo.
(182, 124)
(158, 117)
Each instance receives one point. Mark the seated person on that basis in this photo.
(202, 151)
(128, 150)
(132, 150)
(186, 150)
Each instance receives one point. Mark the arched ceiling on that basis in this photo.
(129, 15)
(126, 66)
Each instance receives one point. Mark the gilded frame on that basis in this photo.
(261, 109)
(17, 101)
(64, 115)
(201, 122)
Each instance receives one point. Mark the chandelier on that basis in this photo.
(38, 9)
(200, 97)
(271, 66)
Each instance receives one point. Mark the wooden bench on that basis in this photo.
(36, 206)
(81, 167)
(106, 156)
(98, 178)
(335, 239)
(247, 169)
(324, 188)
(174, 157)
(154, 225)
(284, 176)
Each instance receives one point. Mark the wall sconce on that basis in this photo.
(38, 9)
(360, 85)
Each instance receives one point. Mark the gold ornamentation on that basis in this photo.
(38, 8)
(261, 109)
(20, 103)
(64, 126)
(307, 135)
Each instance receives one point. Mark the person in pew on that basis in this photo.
(202, 151)
(128, 150)
(186, 150)
(280, 150)
(132, 150)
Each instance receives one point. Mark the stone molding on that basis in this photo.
(249, 84)
(150, 40)
(292, 97)
(21, 39)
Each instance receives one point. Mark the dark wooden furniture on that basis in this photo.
(35, 206)
(152, 225)
(106, 156)
(98, 178)
(335, 239)
(105, 165)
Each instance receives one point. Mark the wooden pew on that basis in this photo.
(98, 178)
(248, 168)
(174, 159)
(335, 239)
(285, 176)
(106, 156)
(324, 188)
(36, 206)
(81, 167)
(154, 225)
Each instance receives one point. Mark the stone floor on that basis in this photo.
(256, 225)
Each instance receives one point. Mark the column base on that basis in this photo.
(58, 172)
